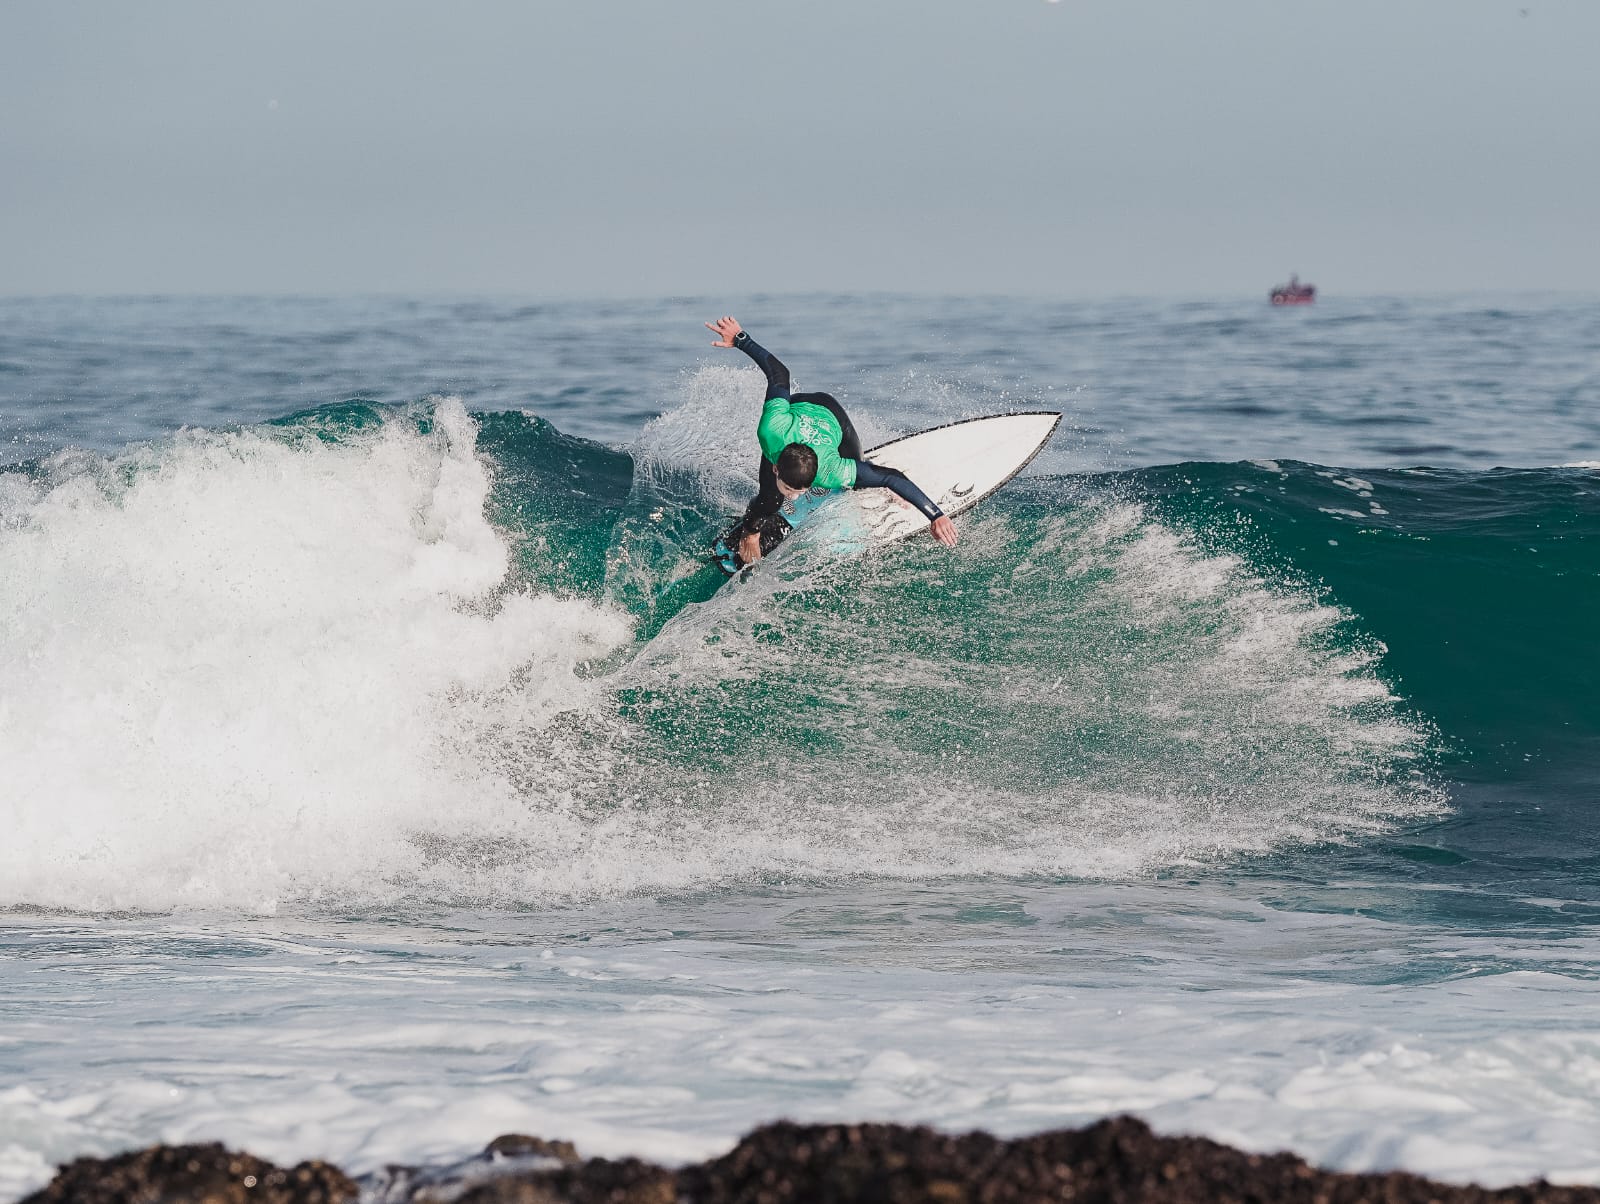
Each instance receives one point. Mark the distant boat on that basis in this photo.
(1294, 293)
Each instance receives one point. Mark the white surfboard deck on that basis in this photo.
(957, 465)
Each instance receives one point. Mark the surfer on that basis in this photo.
(807, 441)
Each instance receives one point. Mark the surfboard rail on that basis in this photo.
(1055, 417)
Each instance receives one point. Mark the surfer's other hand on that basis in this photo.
(728, 328)
(750, 545)
(944, 531)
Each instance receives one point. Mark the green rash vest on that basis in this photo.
(784, 422)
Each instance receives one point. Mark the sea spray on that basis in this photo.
(1080, 691)
(247, 667)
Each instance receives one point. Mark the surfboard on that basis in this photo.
(957, 465)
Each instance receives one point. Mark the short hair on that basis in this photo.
(797, 466)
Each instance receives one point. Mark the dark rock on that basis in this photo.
(194, 1174)
(518, 1145)
(597, 1181)
(1113, 1162)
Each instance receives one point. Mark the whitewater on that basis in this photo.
(386, 767)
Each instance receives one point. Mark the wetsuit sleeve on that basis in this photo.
(767, 499)
(775, 430)
(873, 476)
(777, 374)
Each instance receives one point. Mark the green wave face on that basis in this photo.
(1479, 584)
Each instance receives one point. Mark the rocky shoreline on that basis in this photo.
(1117, 1161)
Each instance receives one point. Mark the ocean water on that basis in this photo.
(384, 766)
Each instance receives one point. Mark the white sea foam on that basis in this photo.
(242, 668)
(668, 1029)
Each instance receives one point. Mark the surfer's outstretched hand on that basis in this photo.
(944, 531)
(728, 328)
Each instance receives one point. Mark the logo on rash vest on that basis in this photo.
(814, 433)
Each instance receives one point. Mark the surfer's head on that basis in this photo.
(797, 468)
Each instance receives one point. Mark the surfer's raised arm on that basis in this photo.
(733, 335)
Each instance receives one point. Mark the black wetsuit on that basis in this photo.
(762, 516)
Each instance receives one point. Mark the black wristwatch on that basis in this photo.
(742, 337)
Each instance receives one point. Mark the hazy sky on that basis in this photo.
(641, 147)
